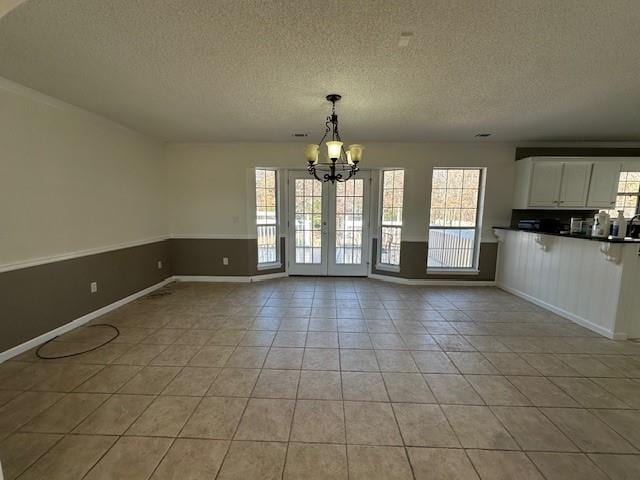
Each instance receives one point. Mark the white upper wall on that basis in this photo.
(210, 188)
(73, 181)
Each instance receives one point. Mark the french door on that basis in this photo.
(328, 226)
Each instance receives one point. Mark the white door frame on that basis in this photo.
(328, 264)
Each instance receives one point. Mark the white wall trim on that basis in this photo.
(564, 313)
(228, 279)
(34, 342)
(214, 236)
(432, 282)
(78, 253)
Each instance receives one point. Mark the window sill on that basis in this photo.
(269, 266)
(387, 268)
(453, 271)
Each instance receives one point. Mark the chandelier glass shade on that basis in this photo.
(340, 164)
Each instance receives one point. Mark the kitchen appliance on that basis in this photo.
(576, 225)
(633, 229)
(619, 227)
(548, 225)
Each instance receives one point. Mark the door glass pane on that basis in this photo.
(349, 219)
(308, 221)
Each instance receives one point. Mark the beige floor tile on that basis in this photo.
(355, 340)
(452, 389)
(192, 381)
(320, 385)
(20, 450)
(318, 421)
(618, 467)
(234, 382)
(284, 358)
(115, 415)
(587, 431)
(497, 390)
(227, 338)
(566, 466)
(322, 340)
(441, 464)
(588, 365)
(164, 336)
(587, 393)
(211, 356)
(316, 462)
(165, 417)
(625, 422)
(247, 357)
(66, 414)
(139, 354)
(477, 427)
(364, 386)
(549, 365)
(396, 361)
(215, 418)
(23, 408)
(532, 430)
(485, 343)
(472, 363)
(542, 392)
(175, 355)
(290, 339)
(109, 379)
(510, 364)
(277, 384)
(378, 463)
(628, 366)
(192, 337)
(358, 360)
(424, 426)
(133, 458)
(254, 460)
(266, 420)
(189, 459)
(433, 362)
(496, 465)
(257, 338)
(626, 390)
(150, 380)
(70, 459)
(371, 423)
(321, 359)
(408, 387)
(7, 395)
(387, 341)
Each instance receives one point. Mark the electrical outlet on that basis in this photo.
(94, 287)
(225, 260)
(159, 264)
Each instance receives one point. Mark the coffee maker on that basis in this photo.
(633, 230)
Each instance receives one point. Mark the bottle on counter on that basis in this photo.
(619, 227)
(601, 223)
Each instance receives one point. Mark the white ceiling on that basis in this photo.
(258, 70)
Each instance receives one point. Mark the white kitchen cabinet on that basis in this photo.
(603, 187)
(575, 184)
(546, 178)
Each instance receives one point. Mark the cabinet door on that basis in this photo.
(545, 184)
(575, 184)
(603, 187)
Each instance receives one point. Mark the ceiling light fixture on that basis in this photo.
(340, 164)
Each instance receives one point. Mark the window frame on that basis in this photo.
(278, 261)
(614, 211)
(381, 224)
(475, 267)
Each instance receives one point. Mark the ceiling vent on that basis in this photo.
(482, 135)
(300, 135)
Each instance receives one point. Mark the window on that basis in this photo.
(267, 216)
(628, 199)
(391, 217)
(453, 225)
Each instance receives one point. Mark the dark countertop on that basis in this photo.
(579, 237)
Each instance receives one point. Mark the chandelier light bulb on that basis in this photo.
(311, 152)
(349, 160)
(334, 148)
(356, 152)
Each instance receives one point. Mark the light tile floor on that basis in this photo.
(316, 378)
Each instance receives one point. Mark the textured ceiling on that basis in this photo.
(252, 70)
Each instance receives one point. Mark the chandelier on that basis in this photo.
(340, 164)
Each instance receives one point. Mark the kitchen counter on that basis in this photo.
(573, 235)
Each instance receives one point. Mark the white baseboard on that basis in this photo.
(228, 279)
(432, 282)
(34, 342)
(564, 313)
